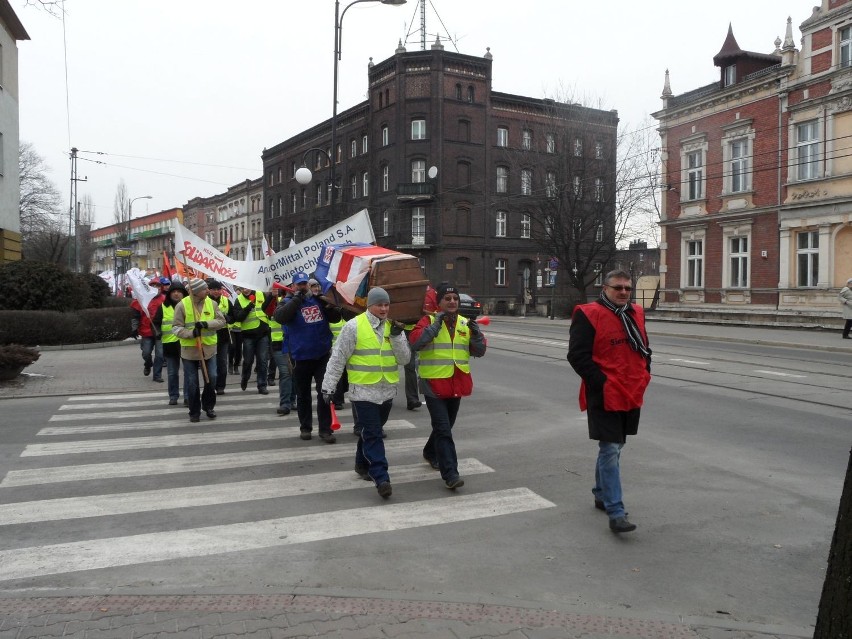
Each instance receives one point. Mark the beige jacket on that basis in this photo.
(186, 333)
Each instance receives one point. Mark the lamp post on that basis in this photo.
(129, 225)
(303, 174)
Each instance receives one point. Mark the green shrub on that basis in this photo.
(98, 289)
(14, 355)
(40, 286)
(106, 324)
(52, 327)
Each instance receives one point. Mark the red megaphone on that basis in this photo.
(483, 321)
(335, 423)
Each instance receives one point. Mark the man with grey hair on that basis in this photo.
(608, 349)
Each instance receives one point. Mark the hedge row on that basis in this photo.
(42, 328)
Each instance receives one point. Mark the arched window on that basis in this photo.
(470, 94)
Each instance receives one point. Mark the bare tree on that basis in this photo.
(85, 220)
(121, 212)
(43, 231)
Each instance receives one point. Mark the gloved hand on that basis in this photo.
(201, 324)
(439, 317)
(134, 334)
(196, 332)
(473, 326)
(396, 328)
(328, 398)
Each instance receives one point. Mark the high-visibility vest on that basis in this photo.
(208, 314)
(276, 331)
(444, 353)
(168, 324)
(256, 315)
(371, 362)
(335, 329)
(223, 304)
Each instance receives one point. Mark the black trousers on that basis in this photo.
(305, 371)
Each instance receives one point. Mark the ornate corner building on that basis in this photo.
(757, 176)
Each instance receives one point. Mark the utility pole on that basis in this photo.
(74, 213)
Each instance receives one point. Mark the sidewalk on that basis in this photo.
(329, 613)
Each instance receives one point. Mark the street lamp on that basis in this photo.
(116, 248)
(303, 174)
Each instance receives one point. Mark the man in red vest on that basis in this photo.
(609, 350)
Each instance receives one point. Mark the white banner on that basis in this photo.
(259, 275)
(141, 290)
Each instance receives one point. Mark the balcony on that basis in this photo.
(415, 192)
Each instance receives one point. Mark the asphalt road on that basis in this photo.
(734, 482)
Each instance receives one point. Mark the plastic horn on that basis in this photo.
(335, 423)
(483, 321)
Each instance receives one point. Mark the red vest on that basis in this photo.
(626, 370)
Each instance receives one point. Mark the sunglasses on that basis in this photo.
(620, 288)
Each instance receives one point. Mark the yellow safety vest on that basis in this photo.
(276, 331)
(168, 323)
(371, 362)
(335, 330)
(208, 314)
(444, 353)
(256, 315)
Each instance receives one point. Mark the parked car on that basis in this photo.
(469, 307)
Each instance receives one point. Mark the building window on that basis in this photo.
(694, 263)
(502, 179)
(500, 228)
(463, 174)
(502, 136)
(339, 156)
(418, 170)
(293, 201)
(385, 222)
(599, 232)
(739, 166)
(598, 190)
(329, 191)
(470, 94)
(364, 148)
(365, 184)
(353, 148)
(271, 178)
(385, 178)
(598, 151)
(385, 136)
(526, 182)
(738, 262)
(526, 140)
(353, 185)
(280, 175)
(550, 143)
(464, 131)
(695, 174)
(730, 75)
(500, 273)
(458, 92)
(577, 186)
(418, 129)
(319, 197)
(550, 184)
(304, 199)
(599, 275)
(525, 225)
(418, 225)
(846, 47)
(807, 150)
(578, 148)
(807, 258)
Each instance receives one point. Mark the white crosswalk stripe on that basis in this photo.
(98, 430)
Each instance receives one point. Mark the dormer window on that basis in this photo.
(845, 47)
(730, 75)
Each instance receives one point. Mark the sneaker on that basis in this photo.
(415, 405)
(262, 391)
(621, 525)
(338, 405)
(454, 483)
(433, 463)
(146, 370)
(159, 380)
(384, 489)
(220, 391)
(283, 411)
(362, 472)
(244, 384)
(186, 402)
(305, 434)
(172, 402)
(211, 414)
(328, 438)
(194, 418)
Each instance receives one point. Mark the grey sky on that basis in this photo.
(188, 83)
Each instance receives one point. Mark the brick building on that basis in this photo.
(149, 236)
(472, 220)
(758, 177)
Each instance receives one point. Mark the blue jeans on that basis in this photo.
(608, 478)
(256, 347)
(370, 451)
(149, 345)
(222, 347)
(286, 391)
(205, 400)
(440, 445)
(173, 377)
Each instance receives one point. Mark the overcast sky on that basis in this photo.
(183, 95)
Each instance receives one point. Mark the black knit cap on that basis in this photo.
(444, 288)
(215, 285)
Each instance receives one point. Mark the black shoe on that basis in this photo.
(270, 381)
(384, 434)
(356, 431)
(452, 484)
(236, 370)
(621, 525)
(172, 402)
(186, 402)
(194, 418)
(159, 380)
(600, 505)
(846, 337)
(384, 489)
(362, 472)
(414, 405)
(283, 411)
(433, 463)
(146, 370)
(262, 391)
(220, 391)
(328, 438)
(244, 384)
(305, 434)
(338, 405)
(211, 414)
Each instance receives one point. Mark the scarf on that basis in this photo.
(634, 335)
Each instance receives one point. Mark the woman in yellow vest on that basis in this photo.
(371, 347)
(445, 342)
(164, 321)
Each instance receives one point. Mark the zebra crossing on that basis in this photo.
(101, 459)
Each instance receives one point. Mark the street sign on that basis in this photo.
(123, 252)
(553, 264)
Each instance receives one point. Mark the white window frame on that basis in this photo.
(693, 259)
(550, 143)
(526, 225)
(365, 184)
(599, 232)
(502, 136)
(385, 135)
(578, 148)
(736, 256)
(526, 181)
(526, 140)
(500, 272)
(807, 150)
(418, 225)
(693, 177)
(385, 178)
(550, 184)
(599, 274)
(729, 75)
(386, 222)
(500, 223)
(502, 173)
(353, 148)
(599, 190)
(577, 186)
(418, 129)
(418, 171)
(807, 256)
(318, 195)
(364, 143)
(598, 150)
(844, 35)
(353, 184)
(329, 192)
